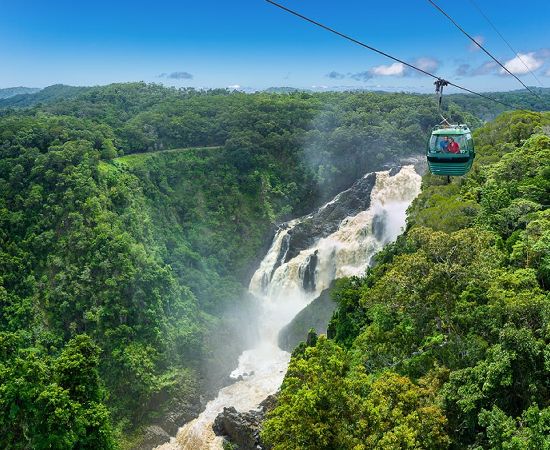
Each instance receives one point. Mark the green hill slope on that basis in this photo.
(10, 92)
(34, 97)
(131, 217)
(445, 342)
(131, 266)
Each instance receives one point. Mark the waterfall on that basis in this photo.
(285, 285)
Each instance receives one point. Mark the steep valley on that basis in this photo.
(154, 242)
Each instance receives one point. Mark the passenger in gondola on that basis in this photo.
(454, 146)
(444, 144)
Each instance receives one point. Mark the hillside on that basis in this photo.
(10, 92)
(488, 110)
(123, 286)
(131, 218)
(32, 97)
(444, 343)
(337, 136)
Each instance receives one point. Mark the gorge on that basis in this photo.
(151, 236)
(338, 240)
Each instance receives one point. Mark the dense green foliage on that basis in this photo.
(445, 342)
(31, 97)
(77, 257)
(121, 275)
(142, 256)
(52, 402)
(488, 110)
(336, 136)
(129, 271)
(326, 404)
(10, 92)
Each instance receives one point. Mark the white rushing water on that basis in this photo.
(279, 287)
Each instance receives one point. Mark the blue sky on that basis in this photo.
(249, 43)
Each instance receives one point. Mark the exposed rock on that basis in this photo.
(327, 219)
(178, 414)
(307, 273)
(379, 222)
(281, 257)
(394, 170)
(153, 436)
(316, 315)
(251, 267)
(268, 404)
(418, 161)
(243, 429)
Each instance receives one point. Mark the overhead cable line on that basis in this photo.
(436, 6)
(380, 52)
(505, 41)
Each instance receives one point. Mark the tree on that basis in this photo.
(49, 402)
(108, 150)
(324, 404)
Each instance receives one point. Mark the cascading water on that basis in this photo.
(286, 284)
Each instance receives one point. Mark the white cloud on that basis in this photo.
(361, 76)
(523, 63)
(335, 75)
(486, 68)
(547, 73)
(177, 75)
(395, 69)
(427, 64)
(234, 86)
(474, 47)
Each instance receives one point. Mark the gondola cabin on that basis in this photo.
(450, 150)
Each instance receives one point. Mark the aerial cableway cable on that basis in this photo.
(476, 6)
(436, 6)
(380, 52)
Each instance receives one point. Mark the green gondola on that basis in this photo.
(450, 150)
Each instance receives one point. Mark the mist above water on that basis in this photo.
(283, 288)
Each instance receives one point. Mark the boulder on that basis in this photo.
(243, 429)
(153, 436)
(178, 414)
(316, 315)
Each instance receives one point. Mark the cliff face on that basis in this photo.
(242, 429)
(327, 219)
(314, 316)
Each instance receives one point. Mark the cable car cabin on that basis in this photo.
(450, 150)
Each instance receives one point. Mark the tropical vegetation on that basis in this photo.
(445, 342)
(132, 216)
